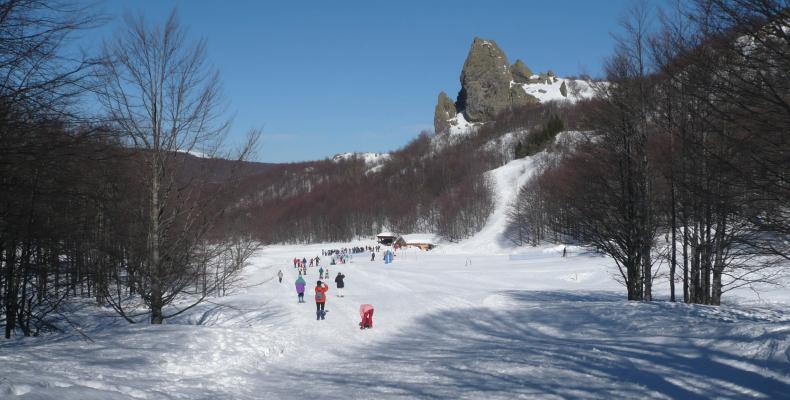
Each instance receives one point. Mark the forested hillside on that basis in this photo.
(685, 162)
(436, 183)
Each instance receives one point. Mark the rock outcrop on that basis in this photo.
(445, 109)
(521, 72)
(490, 86)
(486, 84)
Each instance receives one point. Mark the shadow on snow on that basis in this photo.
(561, 344)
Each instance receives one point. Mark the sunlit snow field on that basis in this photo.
(447, 324)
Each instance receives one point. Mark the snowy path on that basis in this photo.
(507, 180)
(542, 327)
(501, 330)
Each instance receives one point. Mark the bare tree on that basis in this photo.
(162, 96)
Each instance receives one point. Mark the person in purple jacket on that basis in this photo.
(300, 284)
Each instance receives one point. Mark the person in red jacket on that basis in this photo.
(366, 313)
(320, 299)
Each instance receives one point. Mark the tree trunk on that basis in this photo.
(155, 261)
(10, 292)
(673, 227)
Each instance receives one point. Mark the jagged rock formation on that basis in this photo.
(489, 85)
(445, 109)
(485, 83)
(521, 72)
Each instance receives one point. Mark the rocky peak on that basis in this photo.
(485, 61)
(486, 88)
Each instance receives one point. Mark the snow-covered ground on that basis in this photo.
(448, 324)
(550, 90)
(475, 319)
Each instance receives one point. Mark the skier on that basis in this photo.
(340, 284)
(320, 299)
(300, 284)
(564, 250)
(317, 260)
(366, 314)
(280, 275)
(372, 256)
(321, 273)
(304, 262)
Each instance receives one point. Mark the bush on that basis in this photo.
(521, 150)
(538, 140)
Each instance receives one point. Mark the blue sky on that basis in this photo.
(325, 77)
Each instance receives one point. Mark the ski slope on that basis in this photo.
(465, 320)
(446, 325)
(507, 180)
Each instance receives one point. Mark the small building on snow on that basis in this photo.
(420, 241)
(386, 238)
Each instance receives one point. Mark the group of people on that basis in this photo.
(321, 289)
(349, 250)
(304, 261)
(301, 265)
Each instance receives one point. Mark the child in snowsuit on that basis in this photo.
(280, 275)
(300, 284)
(321, 273)
(366, 314)
(320, 299)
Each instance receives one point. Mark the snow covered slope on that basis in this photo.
(369, 158)
(507, 181)
(551, 89)
(446, 325)
(373, 161)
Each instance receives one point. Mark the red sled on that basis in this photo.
(366, 313)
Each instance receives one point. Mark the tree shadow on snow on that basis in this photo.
(568, 345)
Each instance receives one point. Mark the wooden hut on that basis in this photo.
(386, 238)
(420, 241)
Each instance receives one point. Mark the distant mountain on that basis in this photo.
(212, 170)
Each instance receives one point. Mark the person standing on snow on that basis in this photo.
(300, 284)
(372, 256)
(280, 275)
(320, 299)
(321, 273)
(340, 284)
